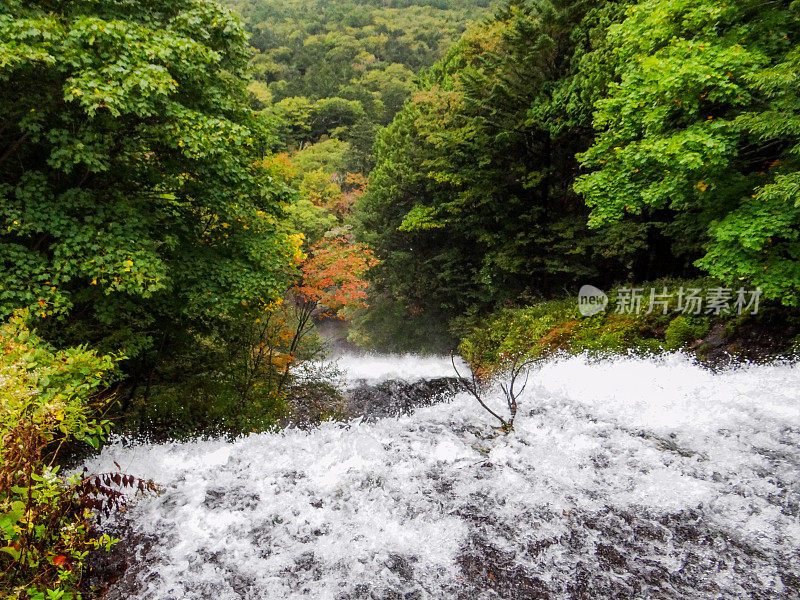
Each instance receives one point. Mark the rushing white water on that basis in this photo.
(374, 368)
(624, 478)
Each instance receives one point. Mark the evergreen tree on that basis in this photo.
(471, 201)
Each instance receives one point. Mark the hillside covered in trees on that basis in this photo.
(568, 142)
(341, 69)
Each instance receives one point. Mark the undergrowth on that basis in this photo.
(47, 520)
(557, 326)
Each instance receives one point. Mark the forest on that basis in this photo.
(562, 143)
(190, 191)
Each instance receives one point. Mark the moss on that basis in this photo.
(614, 333)
(684, 330)
(732, 326)
(557, 326)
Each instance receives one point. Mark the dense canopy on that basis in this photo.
(563, 142)
(131, 193)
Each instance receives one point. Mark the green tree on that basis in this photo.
(333, 116)
(293, 116)
(330, 155)
(701, 125)
(309, 219)
(133, 203)
(471, 201)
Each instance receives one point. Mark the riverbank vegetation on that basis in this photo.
(557, 326)
(50, 398)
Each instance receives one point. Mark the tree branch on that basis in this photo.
(473, 390)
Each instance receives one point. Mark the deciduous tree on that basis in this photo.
(133, 201)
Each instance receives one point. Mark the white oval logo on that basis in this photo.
(591, 300)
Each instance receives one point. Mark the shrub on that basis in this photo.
(556, 326)
(252, 377)
(48, 398)
(684, 330)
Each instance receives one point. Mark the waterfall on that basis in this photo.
(624, 477)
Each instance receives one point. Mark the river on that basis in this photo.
(625, 477)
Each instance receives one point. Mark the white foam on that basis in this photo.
(374, 368)
(325, 513)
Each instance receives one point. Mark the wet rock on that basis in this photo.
(486, 567)
(114, 574)
(392, 398)
(755, 338)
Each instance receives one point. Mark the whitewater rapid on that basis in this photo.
(624, 478)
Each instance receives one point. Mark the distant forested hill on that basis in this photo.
(355, 60)
(319, 48)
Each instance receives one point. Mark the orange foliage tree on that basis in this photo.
(332, 283)
(334, 276)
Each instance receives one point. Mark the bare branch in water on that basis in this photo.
(518, 366)
(473, 388)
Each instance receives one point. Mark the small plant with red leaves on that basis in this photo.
(46, 520)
